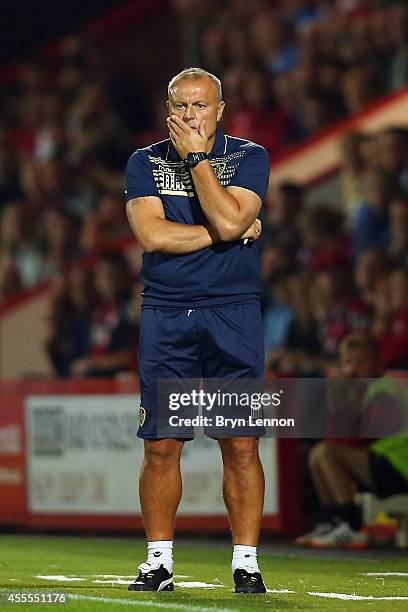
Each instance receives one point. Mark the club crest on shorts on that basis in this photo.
(142, 416)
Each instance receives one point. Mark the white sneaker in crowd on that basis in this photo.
(321, 529)
(341, 536)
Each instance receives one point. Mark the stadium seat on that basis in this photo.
(397, 506)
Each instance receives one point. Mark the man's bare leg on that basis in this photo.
(160, 487)
(323, 490)
(243, 488)
(335, 468)
(342, 467)
(160, 494)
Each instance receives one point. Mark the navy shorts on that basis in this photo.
(216, 342)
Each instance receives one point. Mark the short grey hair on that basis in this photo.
(193, 74)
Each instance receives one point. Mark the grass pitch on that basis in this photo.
(96, 571)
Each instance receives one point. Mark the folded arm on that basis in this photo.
(230, 211)
(155, 233)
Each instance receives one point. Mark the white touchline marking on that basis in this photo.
(357, 597)
(112, 581)
(279, 591)
(198, 585)
(187, 585)
(385, 574)
(60, 578)
(181, 576)
(118, 579)
(113, 575)
(149, 604)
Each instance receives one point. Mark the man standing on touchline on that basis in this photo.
(193, 202)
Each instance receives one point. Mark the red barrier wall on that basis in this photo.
(14, 463)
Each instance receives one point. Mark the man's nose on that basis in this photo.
(189, 113)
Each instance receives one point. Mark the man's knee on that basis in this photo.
(318, 454)
(239, 452)
(161, 454)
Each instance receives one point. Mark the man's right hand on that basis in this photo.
(253, 232)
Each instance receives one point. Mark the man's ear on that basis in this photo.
(168, 106)
(220, 109)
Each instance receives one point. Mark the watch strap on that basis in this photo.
(194, 158)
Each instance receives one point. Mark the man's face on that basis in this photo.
(106, 281)
(194, 100)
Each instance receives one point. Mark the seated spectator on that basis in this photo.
(326, 244)
(390, 323)
(158, 131)
(105, 341)
(317, 112)
(281, 237)
(299, 351)
(360, 88)
(340, 467)
(336, 310)
(278, 316)
(353, 172)
(273, 41)
(398, 74)
(289, 99)
(72, 301)
(258, 118)
(17, 241)
(73, 305)
(60, 242)
(371, 224)
(81, 288)
(371, 266)
(107, 224)
(398, 289)
(276, 261)
(59, 341)
(284, 215)
(392, 147)
(398, 224)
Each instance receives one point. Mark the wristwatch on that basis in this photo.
(192, 159)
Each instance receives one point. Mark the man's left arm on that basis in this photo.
(230, 211)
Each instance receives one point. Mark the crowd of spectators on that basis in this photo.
(330, 270)
(66, 132)
(94, 319)
(292, 67)
(289, 69)
(68, 126)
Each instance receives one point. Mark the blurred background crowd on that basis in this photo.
(290, 69)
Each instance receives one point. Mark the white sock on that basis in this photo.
(244, 557)
(161, 551)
